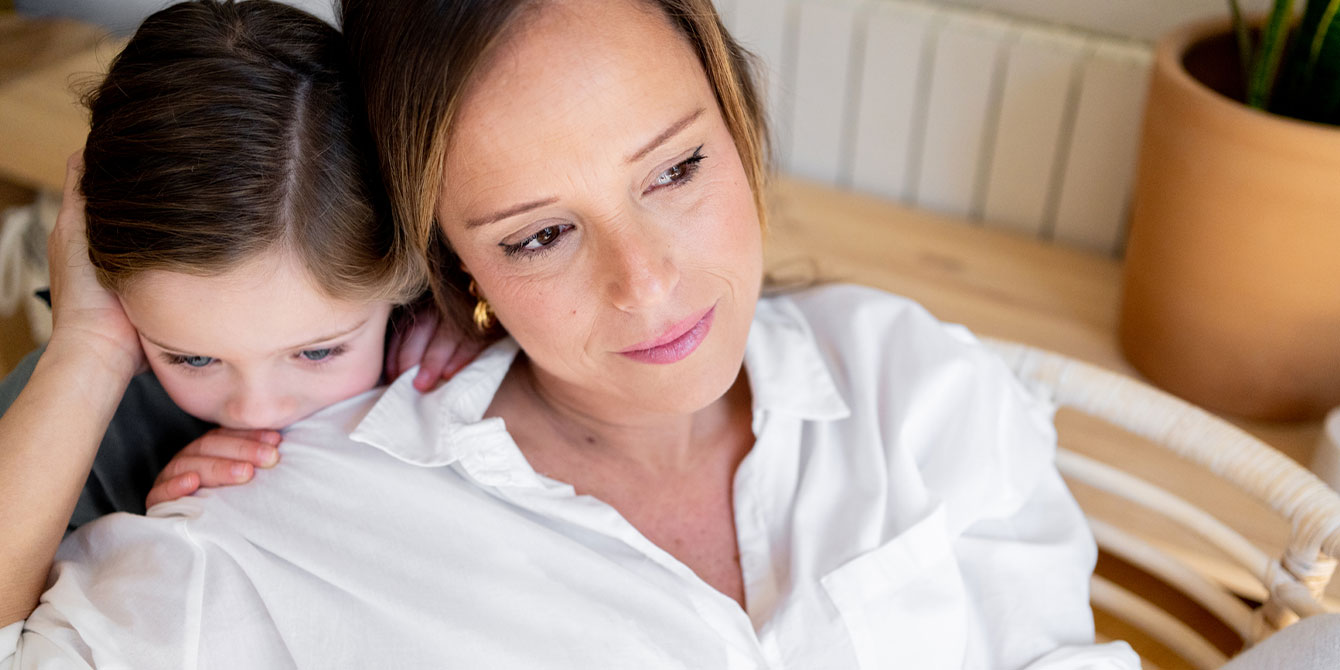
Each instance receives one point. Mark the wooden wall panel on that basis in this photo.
(1037, 108)
(961, 109)
(823, 76)
(1019, 124)
(897, 39)
(1095, 191)
(765, 27)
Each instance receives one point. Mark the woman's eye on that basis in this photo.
(543, 238)
(540, 241)
(194, 361)
(672, 175)
(680, 172)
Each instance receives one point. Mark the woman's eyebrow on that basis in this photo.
(665, 135)
(508, 213)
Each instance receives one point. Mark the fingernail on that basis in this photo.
(269, 457)
(240, 471)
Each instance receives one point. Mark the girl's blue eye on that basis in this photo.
(317, 354)
(195, 361)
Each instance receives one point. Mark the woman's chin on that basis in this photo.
(682, 388)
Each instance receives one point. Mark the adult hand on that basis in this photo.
(422, 337)
(221, 457)
(84, 314)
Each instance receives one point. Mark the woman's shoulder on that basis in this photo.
(929, 390)
(863, 332)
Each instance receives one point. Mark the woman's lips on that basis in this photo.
(677, 343)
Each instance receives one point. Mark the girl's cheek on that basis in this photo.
(193, 398)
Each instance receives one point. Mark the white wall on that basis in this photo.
(125, 15)
(1140, 19)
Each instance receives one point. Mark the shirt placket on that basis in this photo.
(761, 486)
(502, 468)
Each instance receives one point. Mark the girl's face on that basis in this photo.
(594, 192)
(257, 347)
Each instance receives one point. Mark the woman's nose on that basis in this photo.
(641, 268)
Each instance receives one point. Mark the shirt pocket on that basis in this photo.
(904, 603)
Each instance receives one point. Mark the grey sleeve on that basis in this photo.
(146, 431)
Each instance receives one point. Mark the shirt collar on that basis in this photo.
(441, 426)
(786, 371)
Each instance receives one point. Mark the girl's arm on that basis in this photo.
(49, 436)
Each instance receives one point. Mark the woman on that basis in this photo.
(655, 469)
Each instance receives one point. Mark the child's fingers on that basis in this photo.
(414, 343)
(254, 447)
(211, 471)
(271, 437)
(392, 368)
(440, 350)
(177, 487)
(463, 356)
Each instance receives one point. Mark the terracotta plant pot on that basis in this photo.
(1232, 276)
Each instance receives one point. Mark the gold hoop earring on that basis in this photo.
(483, 313)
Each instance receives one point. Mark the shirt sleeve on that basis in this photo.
(1027, 577)
(1025, 552)
(124, 592)
(984, 449)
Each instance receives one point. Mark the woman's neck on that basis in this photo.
(567, 426)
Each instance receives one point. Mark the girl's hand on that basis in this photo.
(85, 315)
(420, 337)
(221, 457)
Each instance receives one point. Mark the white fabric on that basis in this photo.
(23, 262)
(899, 508)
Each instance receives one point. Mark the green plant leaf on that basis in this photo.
(1274, 37)
(1244, 42)
(1309, 83)
(1323, 82)
(1323, 30)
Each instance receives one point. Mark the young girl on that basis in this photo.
(237, 246)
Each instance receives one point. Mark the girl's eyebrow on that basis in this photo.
(342, 333)
(327, 338)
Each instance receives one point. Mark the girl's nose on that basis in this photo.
(258, 409)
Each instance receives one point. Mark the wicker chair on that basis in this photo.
(1293, 583)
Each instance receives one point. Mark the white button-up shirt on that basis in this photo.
(899, 509)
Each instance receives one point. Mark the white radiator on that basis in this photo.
(1010, 122)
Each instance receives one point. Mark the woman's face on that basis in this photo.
(595, 194)
(257, 347)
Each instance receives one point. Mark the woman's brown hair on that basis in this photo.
(415, 59)
(228, 129)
